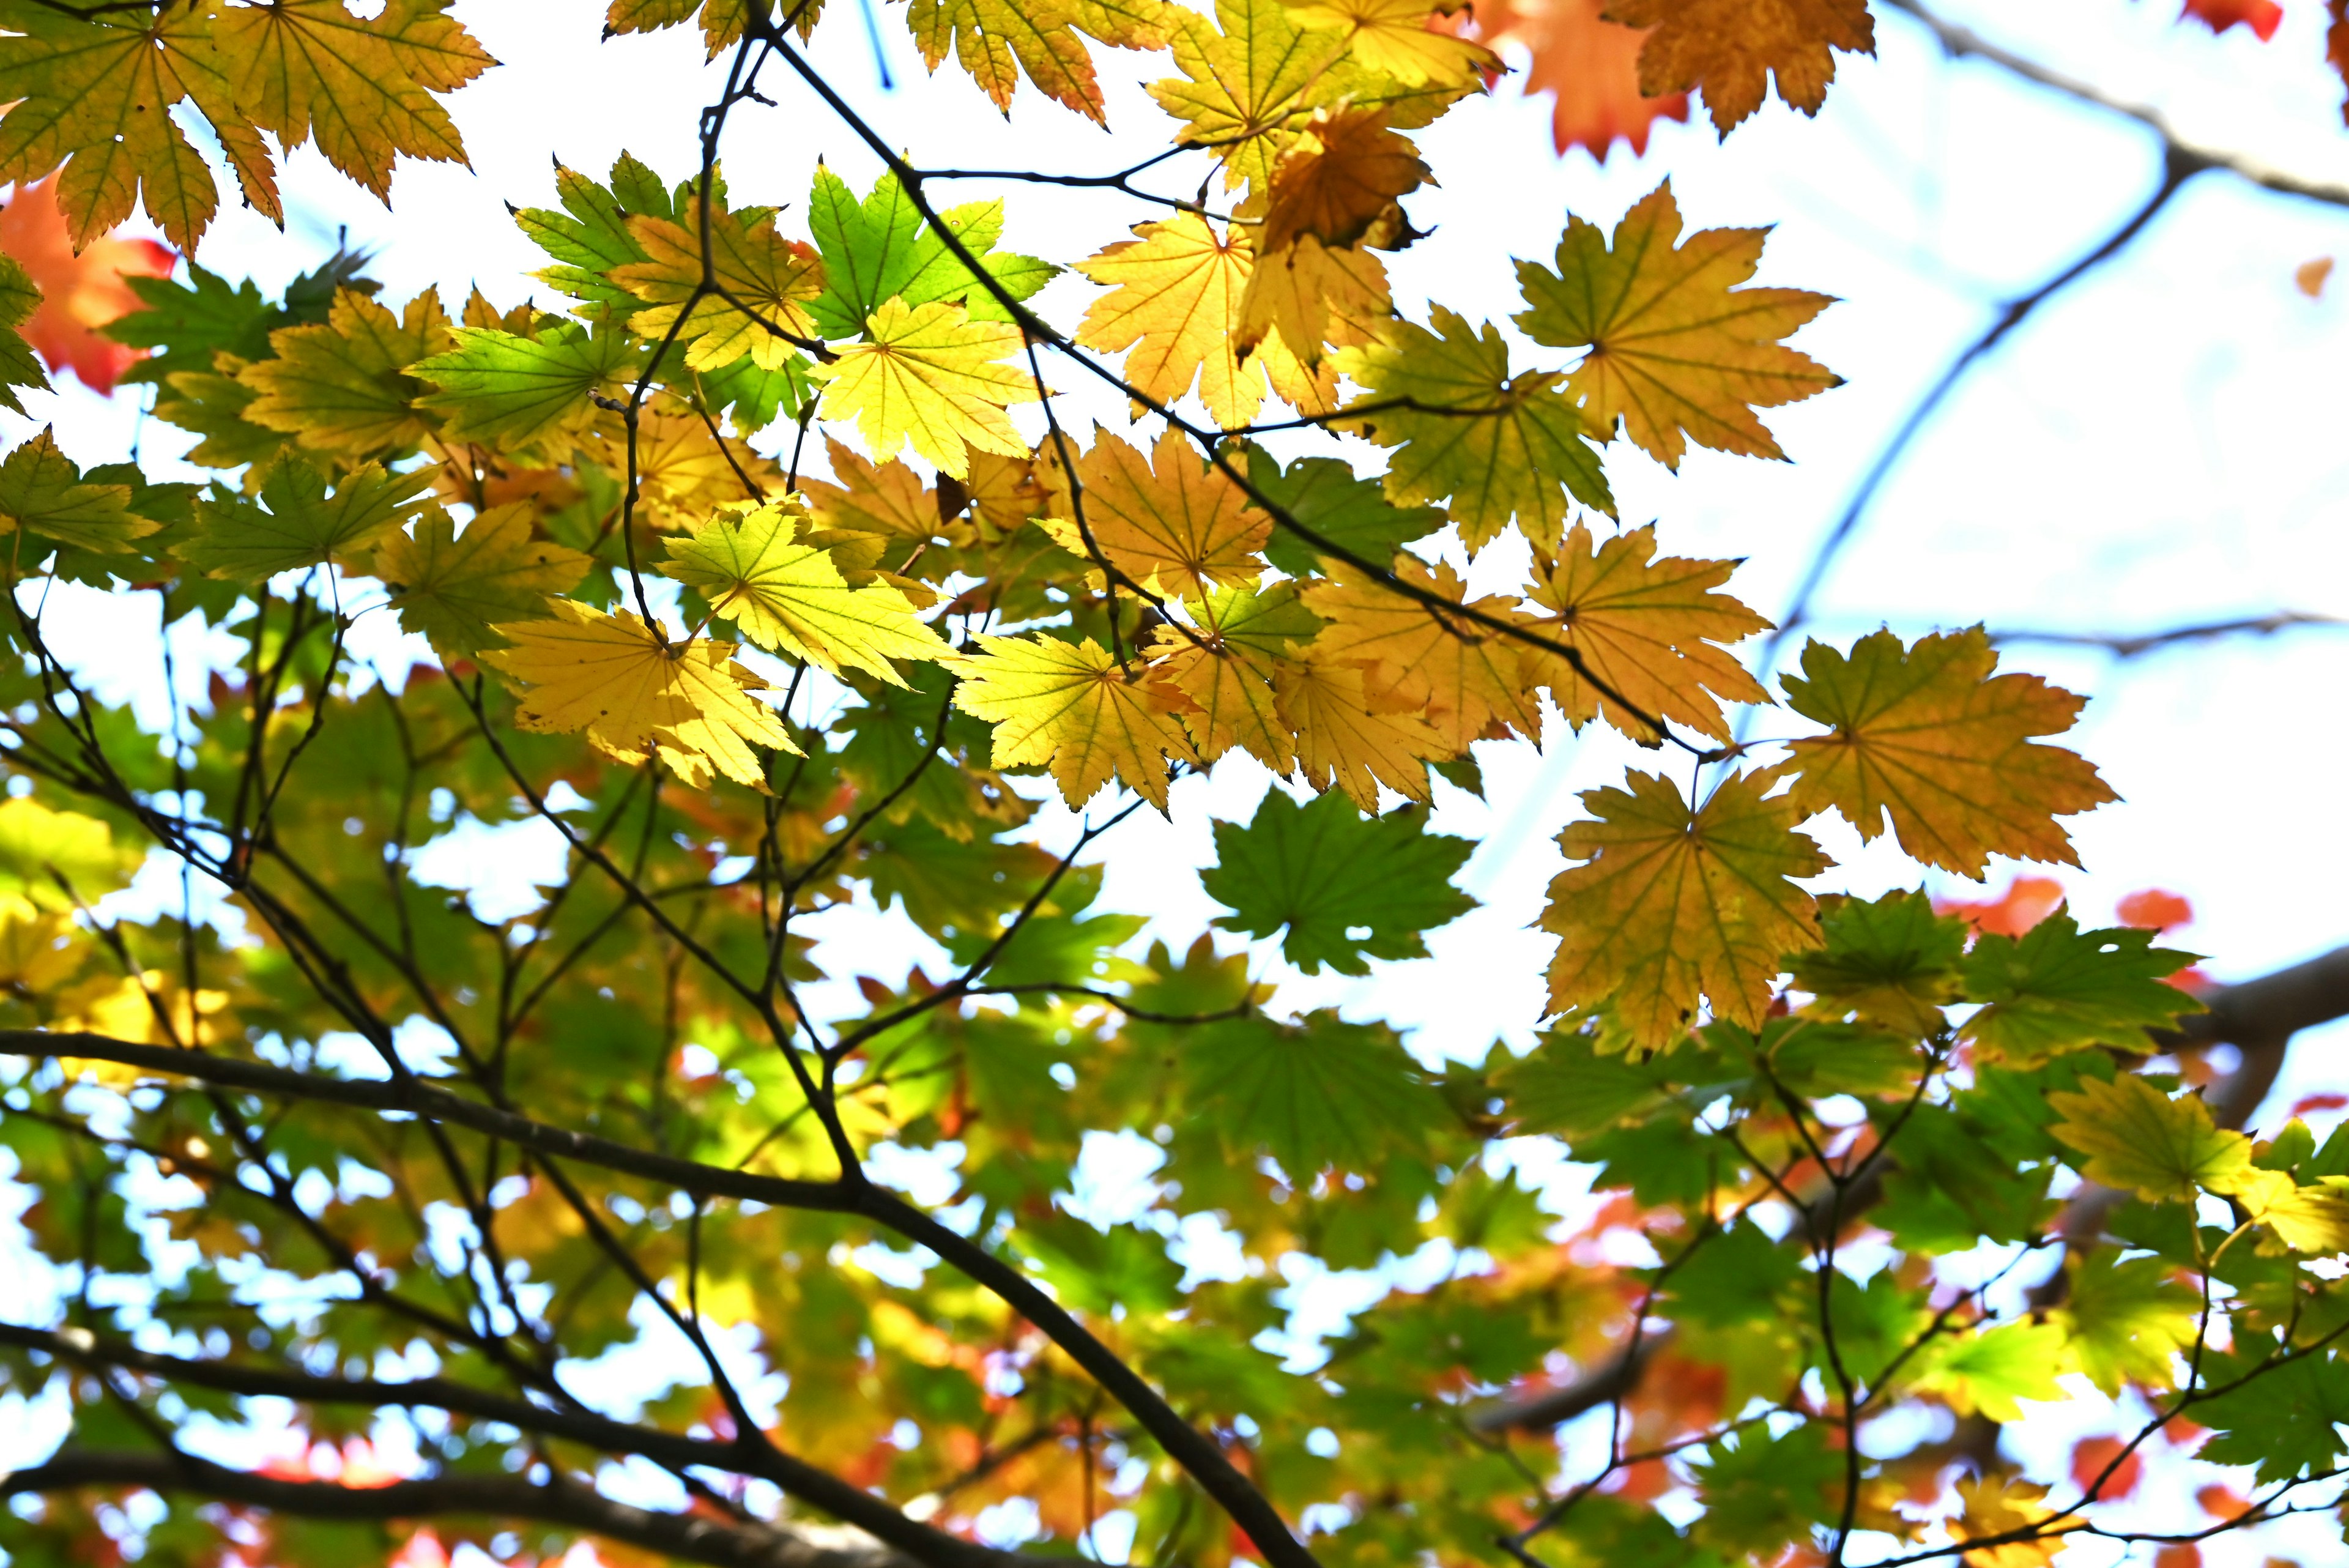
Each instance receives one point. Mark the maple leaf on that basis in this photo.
(1308, 298)
(886, 498)
(1930, 737)
(638, 695)
(1347, 887)
(932, 376)
(785, 594)
(1242, 77)
(1999, 1505)
(589, 238)
(1732, 48)
(1341, 174)
(19, 300)
(1465, 678)
(723, 21)
(78, 293)
(510, 391)
(2262, 16)
(1068, 707)
(1893, 961)
(996, 41)
(42, 492)
(1671, 905)
(1351, 734)
(1502, 449)
(362, 88)
(2124, 1320)
(93, 91)
(2138, 1138)
(1590, 63)
(296, 521)
(763, 285)
(1324, 494)
(2057, 987)
(881, 248)
(1168, 521)
(342, 385)
(1227, 665)
(1174, 300)
(1316, 1094)
(451, 587)
(1394, 38)
(1678, 351)
(1652, 632)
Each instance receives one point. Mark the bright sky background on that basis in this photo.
(2161, 446)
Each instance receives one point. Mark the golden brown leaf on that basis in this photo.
(1168, 522)
(1732, 48)
(1591, 63)
(1931, 736)
(1343, 173)
(1676, 349)
(1174, 301)
(1068, 707)
(1352, 732)
(1672, 906)
(1465, 678)
(341, 385)
(1646, 630)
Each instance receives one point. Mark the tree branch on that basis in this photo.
(2130, 645)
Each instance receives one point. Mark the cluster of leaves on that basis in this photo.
(414, 1165)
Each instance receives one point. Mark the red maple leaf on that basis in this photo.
(1591, 63)
(79, 294)
(2089, 1460)
(2262, 16)
(2155, 909)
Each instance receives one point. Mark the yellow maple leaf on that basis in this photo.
(764, 279)
(1647, 630)
(1929, 737)
(1168, 521)
(1732, 48)
(638, 694)
(1678, 350)
(886, 498)
(788, 597)
(340, 385)
(1308, 298)
(39, 950)
(1341, 174)
(2000, 1505)
(1467, 678)
(684, 471)
(1392, 36)
(1351, 734)
(2314, 1219)
(931, 376)
(1242, 78)
(1174, 300)
(995, 40)
(1228, 663)
(1068, 707)
(2140, 1139)
(1670, 904)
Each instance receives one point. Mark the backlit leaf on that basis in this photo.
(1671, 905)
(2056, 986)
(1167, 522)
(1174, 302)
(932, 376)
(1932, 737)
(763, 284)
(1346, 888)
(785, 594)
(636, 694)
(1678, 350)
(42, 492)
(1068, 707)
(2140, 1139)
(452, 586)
(1731, 49)
(300, 518)
(510, 391)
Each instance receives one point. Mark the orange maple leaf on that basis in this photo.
(1591, 65)
(2026, 901)
(79, 294)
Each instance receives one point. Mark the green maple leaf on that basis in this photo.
(1990, 1370)
(2125, 1320)
(41, 491)
(508, 391)
(1327, 496)
(452, 587)
(1891, 960)
(1494, 446)
(38, 845)
(1739, 1276)
(1761, 1491)
(1348, 887)
(880, 248)
(1314, 1095)
(1097, 1271)
(18, 368)
(299, 519)
(2057, 986)
(2283, 1419)
(1569, 1087)
(589, 238)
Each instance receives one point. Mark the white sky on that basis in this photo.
(2160, 446)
